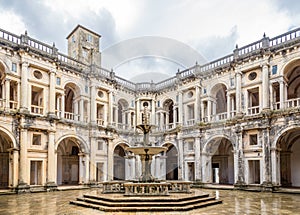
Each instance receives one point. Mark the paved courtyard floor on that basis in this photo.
(234, 202)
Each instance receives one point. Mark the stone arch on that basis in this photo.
(11, 136)
(291, 73)
(119, 163)
(218, 160)
(219, 93)
(7, 143)
(122, 107)
(172, 163)
(168, 106)
(79, 141)
(287, 157)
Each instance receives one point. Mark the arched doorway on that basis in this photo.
(119, 163)
(220, 162)
(289, 145)
(4, 160)
(171, 162)
(67, 162)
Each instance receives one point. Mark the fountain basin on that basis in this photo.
(146, 150)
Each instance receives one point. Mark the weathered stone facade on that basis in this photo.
(65, 120)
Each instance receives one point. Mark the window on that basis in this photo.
(274, 70)
(73, 38)
(74, 54)
(190, 94)
(253, 139)
(204, 90)
(177, 98)
(37, 74)
(100, 145)
(14, 67)
(252, 76)
(100, 94)
(58, 81)
(190, 146)
(158, 103)
(89, 38)
(232, 82)
(86, 89)
(36, 139)
(132, 103)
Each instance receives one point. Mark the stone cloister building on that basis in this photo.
(65, 120)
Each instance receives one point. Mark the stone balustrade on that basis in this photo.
(113, 187)
(180, 186)
(147, 189)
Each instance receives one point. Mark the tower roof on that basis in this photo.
(80, 26)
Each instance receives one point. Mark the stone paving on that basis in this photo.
(234, 202)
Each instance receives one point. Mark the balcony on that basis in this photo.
(100, 122)
(38, 110)
(253, 110)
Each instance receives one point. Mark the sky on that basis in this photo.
(212, 28)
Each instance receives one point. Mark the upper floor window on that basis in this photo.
(232, 82)
(73, 39)
(58, 80)
(14, 67)
(36, 139)
(253, 139)
(274, 70)
(89, 38)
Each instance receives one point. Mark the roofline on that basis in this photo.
(80, 26)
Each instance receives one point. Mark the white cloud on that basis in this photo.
(11, 22)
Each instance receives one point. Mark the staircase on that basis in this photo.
(147, 204)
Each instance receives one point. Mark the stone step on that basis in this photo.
(146, 199)
(146, 208)
(181, 203)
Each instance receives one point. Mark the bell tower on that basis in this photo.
(83, 45)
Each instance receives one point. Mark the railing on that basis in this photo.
(220, 116)
(37, 109)
(283, 38)
(166, 83)
(100, 122)
(190, 122)
(250, 48)
(40, 46)
(13, 105)
(292, 103)
(127, 84)
(217, 63)
(276, 105)
(71, 116)
(10, 37)
(253, 110)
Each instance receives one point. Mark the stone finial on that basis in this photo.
(236, 46)
(26, 32)
(264, 34)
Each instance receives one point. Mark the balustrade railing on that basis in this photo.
(253, 110)
(71, 116)
(276, 105)
(10, 36)
(284, 38)
(13, 105)
(292, 103)
(100, 122)
(190, 122)
(40, 46)
(35, 109)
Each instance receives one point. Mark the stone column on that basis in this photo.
(265, 87)
(282, 89)
(228, 105)
(275, 177)
(110, 161)
(110, 107)
(209, 110)
(267, 160)
(24, 87)
(93, 160)
(174, 117)
(197, 104)
(52, 93)
(23, 168)
(239, 165)
(7, 94)
(62, 106)
(87, 168)
(93, 105)
(180, 157)
(180, 108)
(197, 159)
(51, 179)
(81, 112)
(238, 79)
(152, 118)
(15, 167)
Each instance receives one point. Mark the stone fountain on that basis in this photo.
(146, 151)
(147, 194)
